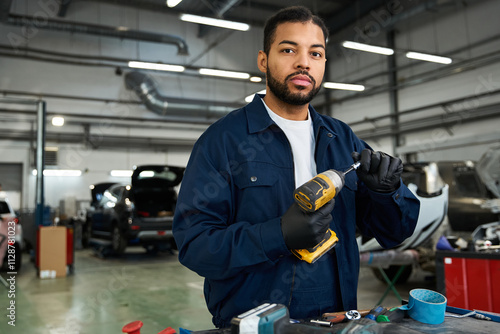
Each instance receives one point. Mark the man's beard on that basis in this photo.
(282, 92)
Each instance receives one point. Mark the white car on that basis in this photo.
(426, 184)
(11, 238)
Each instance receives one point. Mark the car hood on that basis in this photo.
(488, 168)
(156, 176)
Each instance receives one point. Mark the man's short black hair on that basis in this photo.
(290, 14)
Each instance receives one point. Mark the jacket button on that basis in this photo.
(330, 135)
(253, 178)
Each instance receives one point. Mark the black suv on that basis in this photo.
(140, 213)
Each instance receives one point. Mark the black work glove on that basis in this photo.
(305, 229)
(379, 171)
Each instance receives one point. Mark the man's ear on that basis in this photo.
(262, 61)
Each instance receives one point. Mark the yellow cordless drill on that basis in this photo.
(311, 196)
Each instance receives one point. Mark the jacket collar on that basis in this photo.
(259, 120)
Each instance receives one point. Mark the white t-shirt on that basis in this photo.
(300, 134)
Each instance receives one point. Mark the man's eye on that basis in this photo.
(287, 51)
(316, 54)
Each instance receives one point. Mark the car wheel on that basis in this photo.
(118, 240)
(391, 272)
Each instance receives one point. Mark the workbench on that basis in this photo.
(450, 325)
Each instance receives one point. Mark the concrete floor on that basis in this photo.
(105, 294)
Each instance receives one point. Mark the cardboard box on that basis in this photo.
(52, 251)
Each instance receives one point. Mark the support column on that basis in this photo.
(393, 93)
(40, 161)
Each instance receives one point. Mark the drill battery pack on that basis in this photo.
(310, 255)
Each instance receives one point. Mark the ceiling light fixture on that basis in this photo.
(59, 172)
(427, 57)
(121, 173)
(255, 79)
(343, 86)
(156, 66)
(368, 48)
(226, 74)
(249, 98)
(173, 3)
(214, 22)
(57, 121)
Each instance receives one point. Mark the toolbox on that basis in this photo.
(469, 279)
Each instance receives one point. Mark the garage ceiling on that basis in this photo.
(339, 15)
(247, 11)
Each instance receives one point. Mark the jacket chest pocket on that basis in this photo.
(348, 192)
(347, 197)
(351, 181)
(256, 191)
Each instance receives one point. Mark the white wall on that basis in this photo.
(95, 167)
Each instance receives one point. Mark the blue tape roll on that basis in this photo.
(426, 306)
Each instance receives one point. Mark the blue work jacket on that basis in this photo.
(238, 183)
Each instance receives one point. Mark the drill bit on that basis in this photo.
(481, 316)
(353, 167)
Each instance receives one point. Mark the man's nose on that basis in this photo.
(302, 61)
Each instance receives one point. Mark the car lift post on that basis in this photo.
(40, 161)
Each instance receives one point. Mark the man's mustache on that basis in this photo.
(301, 73)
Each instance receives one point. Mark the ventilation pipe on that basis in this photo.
(147, 90)
(95, 29)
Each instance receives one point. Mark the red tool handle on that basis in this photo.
(133, 327)
(168, 330)
(334, 319)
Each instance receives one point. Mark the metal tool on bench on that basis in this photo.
(311, 196)
(342, 316)
(471, 313)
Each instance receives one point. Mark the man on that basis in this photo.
(236, 220)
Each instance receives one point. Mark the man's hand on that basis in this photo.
(379, 171)
(305, 230)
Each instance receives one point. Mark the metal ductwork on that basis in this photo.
(144, 86)
(227, 6)
(98, 30)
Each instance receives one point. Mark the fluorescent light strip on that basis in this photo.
(343, 86)
(57, 121)
(249, 98)
(214, 22)
(427, 57)
(121, 173)
(368, 48)
(59, 172)
(156, 66)
(173, 3)
(147, 173)
(226, 74)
